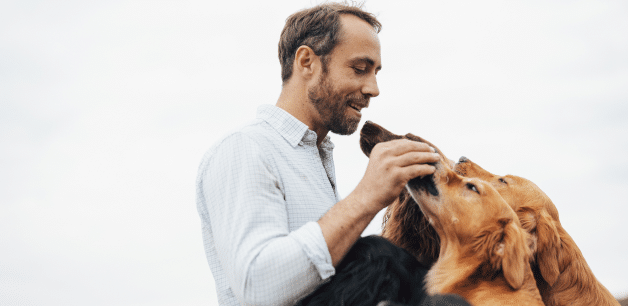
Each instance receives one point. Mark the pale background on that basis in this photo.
(106, 108)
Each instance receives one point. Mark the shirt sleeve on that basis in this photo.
(264, 262)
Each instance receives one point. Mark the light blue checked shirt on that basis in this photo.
(260, 191)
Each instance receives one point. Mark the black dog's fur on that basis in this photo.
(374, 270)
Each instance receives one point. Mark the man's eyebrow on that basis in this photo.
(366, 59)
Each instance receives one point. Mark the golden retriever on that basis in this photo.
(483, 250)
(562, 275)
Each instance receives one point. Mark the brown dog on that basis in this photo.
(562, 275)
(404, 223)
(483, 251)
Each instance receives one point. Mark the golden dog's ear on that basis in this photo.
(372, 134)
(546, 235)
(548, 247)
(512, 253)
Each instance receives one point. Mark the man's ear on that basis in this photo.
(372, 134)
(306, 62)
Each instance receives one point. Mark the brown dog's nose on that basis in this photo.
(463, 159)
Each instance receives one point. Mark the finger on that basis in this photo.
(418, 170)
(412, 158)
(401, 146)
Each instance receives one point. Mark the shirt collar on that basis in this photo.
(293, 130)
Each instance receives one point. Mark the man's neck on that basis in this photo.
(296, 103)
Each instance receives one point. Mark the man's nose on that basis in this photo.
(370, 88)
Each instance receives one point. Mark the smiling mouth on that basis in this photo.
(358, 107)
(355, 107)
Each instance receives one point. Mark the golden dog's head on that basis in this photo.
(536, 212)
(406, 225)
(474, 222)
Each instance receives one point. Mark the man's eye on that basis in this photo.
(472, 188)
(359, 70)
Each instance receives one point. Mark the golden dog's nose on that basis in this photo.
(463, 159)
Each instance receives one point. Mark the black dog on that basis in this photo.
(374, 271)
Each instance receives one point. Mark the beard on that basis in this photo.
(332, 107)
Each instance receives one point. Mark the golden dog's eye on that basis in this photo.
(501, 180)
(472, 188)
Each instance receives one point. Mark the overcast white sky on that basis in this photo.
(106, 108)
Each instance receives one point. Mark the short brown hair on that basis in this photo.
(318, 28)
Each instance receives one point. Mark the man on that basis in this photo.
(273, 225)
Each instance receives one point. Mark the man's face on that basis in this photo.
(349, 81)
(331, 106)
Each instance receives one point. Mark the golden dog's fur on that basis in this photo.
(562, 274)
(483, 251)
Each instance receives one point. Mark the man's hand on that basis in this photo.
(391, 165)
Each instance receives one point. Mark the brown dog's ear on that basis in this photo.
(423, 140)
(442, 155)
(406, 226)
(511, 253)
(372, 134)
